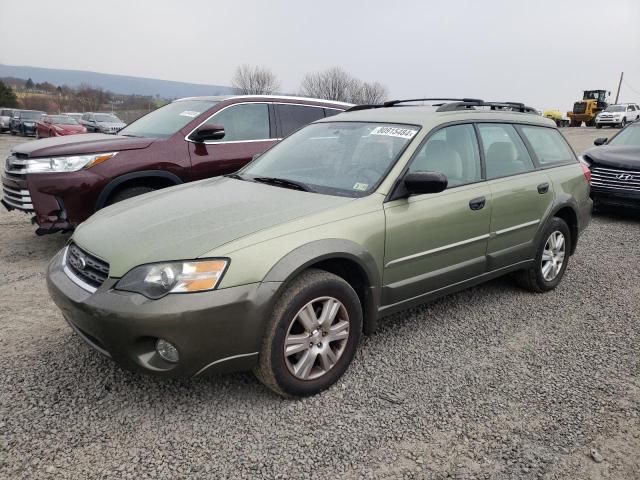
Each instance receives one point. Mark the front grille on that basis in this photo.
(85, 267)
(579, 107)
(20, 199)
(615, 179)
(15, 165)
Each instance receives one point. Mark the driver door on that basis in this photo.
(249, 130)
(437, 240)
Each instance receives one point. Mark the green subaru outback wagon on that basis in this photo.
(281, 267)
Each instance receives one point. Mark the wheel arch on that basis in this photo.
(157, 178)
(344, 258)
(568, 212)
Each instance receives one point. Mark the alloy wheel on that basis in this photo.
(553, 256)
(316, 338)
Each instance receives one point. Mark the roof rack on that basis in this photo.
(452, 104)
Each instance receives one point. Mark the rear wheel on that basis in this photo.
(551, 259)
(312, 336)
(129, 192)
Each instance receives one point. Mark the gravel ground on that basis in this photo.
(493, 382)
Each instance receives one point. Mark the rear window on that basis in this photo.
(292, 117)
(548, 145)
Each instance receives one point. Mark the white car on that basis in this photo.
(5, 118)
(618, 115)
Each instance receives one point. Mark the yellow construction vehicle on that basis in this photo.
(592, 103)
(556, 116)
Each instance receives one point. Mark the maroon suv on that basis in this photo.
(64, 180)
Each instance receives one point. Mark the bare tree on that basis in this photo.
(332, 84)
(336, 84)
(255, 80)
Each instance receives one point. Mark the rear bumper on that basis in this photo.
(218, 331)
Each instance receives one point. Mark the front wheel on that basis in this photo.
(312, 336)
(598, 125)
(552, 257)
(623, 123)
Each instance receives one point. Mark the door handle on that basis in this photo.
(543, 188)
(477, 203)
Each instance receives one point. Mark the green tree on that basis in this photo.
(7, 96)
(29, 85)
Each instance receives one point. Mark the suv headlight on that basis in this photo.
(159, 279)
(65, 164)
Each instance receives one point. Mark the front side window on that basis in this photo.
(292, 117)
(629, 137)
(243, 122)
(504, 150)
(452, 151)
(548, 145)
(167, 120)
(335, 158)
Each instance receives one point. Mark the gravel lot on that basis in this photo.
(493, 382)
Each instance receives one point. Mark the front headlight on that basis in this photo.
(159, 279)
(65, 164)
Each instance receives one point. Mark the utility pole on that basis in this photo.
(619, 84)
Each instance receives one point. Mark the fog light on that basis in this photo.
(167, 351)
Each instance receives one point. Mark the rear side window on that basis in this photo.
(504, 150)
(292, 117)
(330, 112)
(243, 122)
(548, 145)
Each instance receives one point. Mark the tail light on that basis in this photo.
(586, 170)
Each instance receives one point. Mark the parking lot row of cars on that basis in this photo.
(281, 263)
(39, 124)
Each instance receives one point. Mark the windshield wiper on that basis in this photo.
(283, 182)
(129, 135)
(236, 176)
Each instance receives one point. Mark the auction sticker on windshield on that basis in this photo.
(394, 132)
(189, 113)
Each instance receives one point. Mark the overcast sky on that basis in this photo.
(542, 52)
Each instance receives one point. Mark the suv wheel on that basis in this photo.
(312, 337)
(623, 122)
(551, 259)
(129, 193)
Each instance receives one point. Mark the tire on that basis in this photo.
(598, 126)
(322, 291)
(534, 278)
(623, 122)
(128, 193)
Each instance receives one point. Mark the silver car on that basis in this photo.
(5, 119)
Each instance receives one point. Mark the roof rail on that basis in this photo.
(452, 104)
(393, 103)
(471, 105)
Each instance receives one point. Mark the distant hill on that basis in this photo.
(121, 84)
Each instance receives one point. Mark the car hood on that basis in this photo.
(186, 221)
(80, 144)
(615, 157)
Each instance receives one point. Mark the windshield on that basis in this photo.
(63, 120)
(336, 158)
(167, 120)
(615, 108)
(31, 115)
(629, 137)
(105, 118)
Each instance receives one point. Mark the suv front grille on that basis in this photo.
(615, 179)
(17, 198)
(15, 165)
(85, 267)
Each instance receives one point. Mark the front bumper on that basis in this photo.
(608, 121)
(60, 201)
(218, 331)
(619, 198)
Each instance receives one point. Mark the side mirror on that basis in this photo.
(418, 183)
(600, 141)
(208, 132)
